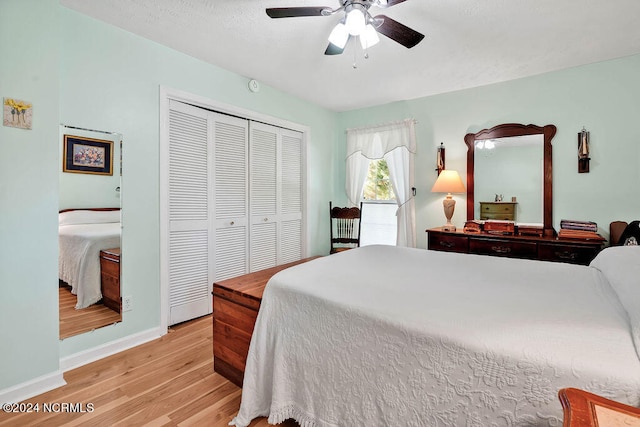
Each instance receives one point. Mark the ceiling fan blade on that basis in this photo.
(292, 12)
(332, 49)
(393, 2)
(397, 31)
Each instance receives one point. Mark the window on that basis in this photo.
(379, 222)
(378, 186)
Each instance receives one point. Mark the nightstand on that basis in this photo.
(110, 278)
(584, 409)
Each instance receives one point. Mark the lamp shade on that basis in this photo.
(448, 182)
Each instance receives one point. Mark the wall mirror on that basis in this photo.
(512, 160)
(89, 229)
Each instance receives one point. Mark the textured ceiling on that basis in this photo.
(468, 43)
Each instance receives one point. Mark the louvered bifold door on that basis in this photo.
(231, 196)
(290, 240)
(190, 161)
(263, 167)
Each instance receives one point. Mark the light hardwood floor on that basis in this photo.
(167, 382)
(74, 322)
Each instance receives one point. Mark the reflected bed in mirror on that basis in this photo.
(89, 230)
(511, 161)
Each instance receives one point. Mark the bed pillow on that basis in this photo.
(88, 217)
(621, 267)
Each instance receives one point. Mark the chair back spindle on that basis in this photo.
(345, 227)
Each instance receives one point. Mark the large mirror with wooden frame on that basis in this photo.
(520, 143)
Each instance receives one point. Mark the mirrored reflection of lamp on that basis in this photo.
(583, 151)
(448, 182)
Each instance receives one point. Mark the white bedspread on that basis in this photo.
(387, 336)
(79, 257)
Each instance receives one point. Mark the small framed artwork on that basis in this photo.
(87, 155)
(17, 113)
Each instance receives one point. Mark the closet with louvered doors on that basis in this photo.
(275, 170)
(235, 196)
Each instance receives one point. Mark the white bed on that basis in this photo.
(82, 234)
(387, 336)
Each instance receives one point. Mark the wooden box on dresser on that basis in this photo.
(236, 303)
(110, 278)
(545, 248)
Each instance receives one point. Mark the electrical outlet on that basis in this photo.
(127, 304)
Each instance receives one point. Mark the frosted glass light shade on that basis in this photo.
(355, 22)
(339, 35)
(369, 37)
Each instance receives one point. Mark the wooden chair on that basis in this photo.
(584, 409)
(345, 228)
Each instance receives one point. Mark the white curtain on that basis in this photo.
(396, 143)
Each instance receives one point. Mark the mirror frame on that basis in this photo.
(515, 129)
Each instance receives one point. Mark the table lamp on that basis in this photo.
(448, 182)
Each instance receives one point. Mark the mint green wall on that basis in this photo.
(603, 97)
(110, 80)
(82, 72)
(29, 193)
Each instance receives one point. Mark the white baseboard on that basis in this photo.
(31, 388)
(53, 380)
(96, 353)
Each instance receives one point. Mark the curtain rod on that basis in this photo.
(397, 122)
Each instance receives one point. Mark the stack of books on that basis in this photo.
(573, 229)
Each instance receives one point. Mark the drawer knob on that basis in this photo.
(567, 255)
(447, 244)
(232, 222)
(501, 249)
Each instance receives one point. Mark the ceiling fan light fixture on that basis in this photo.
(355, 21)
(339, 35)
(369, 37)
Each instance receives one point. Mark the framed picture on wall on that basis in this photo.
(87, 155)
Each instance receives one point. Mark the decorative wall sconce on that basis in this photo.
(440, 158)
(583, 151)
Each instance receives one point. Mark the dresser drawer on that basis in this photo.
(448, 242)
(507, 248)
(497, 210)
(574, 254)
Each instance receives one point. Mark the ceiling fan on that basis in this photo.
(357, 22)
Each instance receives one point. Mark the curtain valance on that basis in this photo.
(376, 141)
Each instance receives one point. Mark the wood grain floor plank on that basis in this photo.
(166, 382)
(74, 322)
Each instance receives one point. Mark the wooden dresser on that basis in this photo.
(498, 210)
(575, 251)
(110, 278)
(235, 307)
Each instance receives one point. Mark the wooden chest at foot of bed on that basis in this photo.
(110, 278)
(235, 307)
